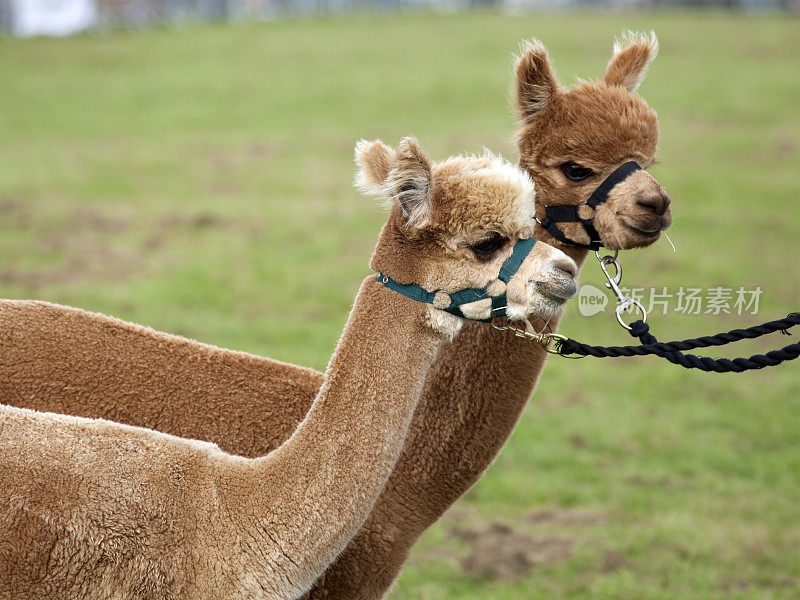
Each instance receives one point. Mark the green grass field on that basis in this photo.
(199, 181)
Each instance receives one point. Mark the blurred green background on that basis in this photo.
(198, 181)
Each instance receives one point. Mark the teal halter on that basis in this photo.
(512, 264)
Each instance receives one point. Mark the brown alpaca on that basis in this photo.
(66, 360)
(94, 509)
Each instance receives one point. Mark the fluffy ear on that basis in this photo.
(536, 83)
(410, 181)
(375, 160)
(632, 55)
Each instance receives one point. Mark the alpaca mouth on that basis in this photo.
(558, 292)
(646, 232)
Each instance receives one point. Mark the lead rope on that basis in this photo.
(555, 343)
(672, 351)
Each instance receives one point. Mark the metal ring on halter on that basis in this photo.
(624, 306)
(492, 321)
(597, 254)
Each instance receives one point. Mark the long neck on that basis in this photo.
(315, 491)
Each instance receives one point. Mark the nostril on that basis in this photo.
(657, 204)
(666, 199)
(567, 267)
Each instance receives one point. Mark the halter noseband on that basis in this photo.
(512, 264)
(568, 213)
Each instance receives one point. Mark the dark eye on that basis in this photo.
(486, 248)
(576, 172)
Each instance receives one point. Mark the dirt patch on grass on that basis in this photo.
(506, 551)
(576, 397)
(87, 243)
(229, 158)
(778, 583)
(786, 148)
(613, 561)
(9, 206)
(497, 551)
(85, 260)
(562, 516)
(91, 219)
(578, 441)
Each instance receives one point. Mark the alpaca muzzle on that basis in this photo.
(569, 213)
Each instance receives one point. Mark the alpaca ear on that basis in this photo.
(536, 83)
(410, 181)
(632, 55)
(374, 160)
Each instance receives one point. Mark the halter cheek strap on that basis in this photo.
(512, 264)
(568, 213)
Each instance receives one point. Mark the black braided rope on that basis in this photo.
(672, 351)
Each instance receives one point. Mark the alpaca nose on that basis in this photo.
(658, 202)
(566, 266)
(560, 282)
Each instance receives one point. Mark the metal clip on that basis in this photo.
(612, 283)
(550, 342)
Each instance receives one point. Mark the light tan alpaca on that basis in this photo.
(94, 509)
(66, 360)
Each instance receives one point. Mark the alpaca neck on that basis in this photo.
(315, 491)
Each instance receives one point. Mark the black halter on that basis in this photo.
(568, 213)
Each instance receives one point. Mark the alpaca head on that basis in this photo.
(453, 224)
(571, 139)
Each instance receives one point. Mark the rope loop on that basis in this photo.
(639, 328)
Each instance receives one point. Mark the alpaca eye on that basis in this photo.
(486, 248)
(576, 172)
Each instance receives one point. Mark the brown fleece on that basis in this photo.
(92, 509)
(466, 411)
(61, 359)
(95, 509)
